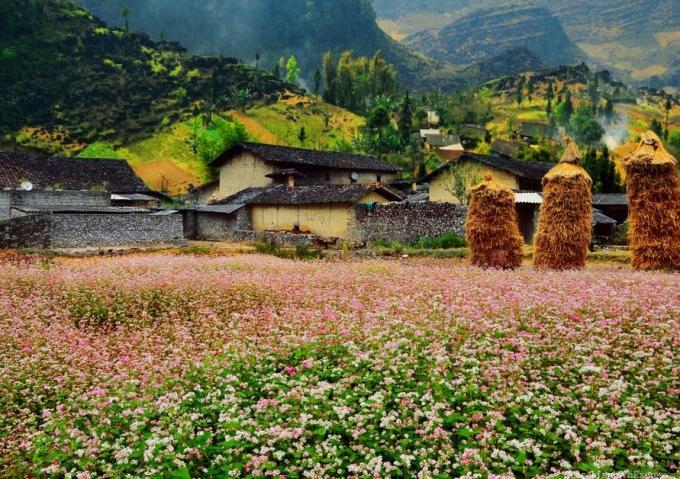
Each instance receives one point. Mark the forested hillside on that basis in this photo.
(69, 79)
(274, 28)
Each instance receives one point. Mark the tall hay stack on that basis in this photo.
(566, 222)
(654, 204)
(492, 231)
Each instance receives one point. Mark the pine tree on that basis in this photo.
(406, 117)
(302, 136)
(568, 108)
(609, 110)
(317, 81)
(330, 78)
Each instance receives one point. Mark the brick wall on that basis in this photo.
(51, 199)
(405, 222)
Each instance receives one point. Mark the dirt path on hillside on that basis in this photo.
(256, 129)
(165, 174)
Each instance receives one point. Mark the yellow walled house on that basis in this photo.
(322, 210)
(254, 165)
(518, 175)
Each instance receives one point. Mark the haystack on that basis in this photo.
(654, 204)
(565, 226)
(491, 230)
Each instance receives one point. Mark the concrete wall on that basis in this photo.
(440, 185)
(405, 222)
(243, 171)
(89, 230)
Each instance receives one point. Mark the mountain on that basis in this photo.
(274, 28)
(638, 38)
(486, 33)
(70, 79)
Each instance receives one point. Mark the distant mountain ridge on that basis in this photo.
(640, 38)
(486, 33)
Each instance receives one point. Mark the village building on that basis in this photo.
(532, 133)
(60, 202)
(253, 165)
(446, 147)
(517, 175)
(472, 135)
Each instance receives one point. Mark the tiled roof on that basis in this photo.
(534, 170)
(442, 140)
(298, 156)
(90, 210)
(320, 194)
(114, 176)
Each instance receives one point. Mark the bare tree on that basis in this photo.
(461, 178)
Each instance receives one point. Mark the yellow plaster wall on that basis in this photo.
(243, 171)
(341, 177)
(326, 220)
(441, 184)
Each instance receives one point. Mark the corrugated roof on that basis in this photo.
(442, 140)
(299, 156)
(66, 173)
(610, 199)
(528, 198)
(132, 197)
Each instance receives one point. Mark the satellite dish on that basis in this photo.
(26, 186)
(354, 176)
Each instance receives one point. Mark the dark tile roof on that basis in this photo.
(90, 210)
(297, 156)
(599, 218)
(534, 170)
(320, 194)
(505, 147)
(536, 130)
(610, 199)
(240, 198)
(115, 176)
(442, 140)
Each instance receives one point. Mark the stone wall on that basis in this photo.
(90, 230)
(279, 238)
(51, 199)
(87, 230)
(405, 222)
(216, 227)
(25, 232)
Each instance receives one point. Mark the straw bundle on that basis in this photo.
(654, 203)
(491, 229)
(565, 226)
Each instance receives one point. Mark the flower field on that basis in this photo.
(257, 367)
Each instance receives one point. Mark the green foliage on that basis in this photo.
(584, 127)
(98, 150)
(292, 70)
(446, 241)
(406, 117)
(219, 135)
(302, 252)
(603, 171)
(353, 83)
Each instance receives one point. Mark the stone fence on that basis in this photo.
(405, 222)
(90, 230)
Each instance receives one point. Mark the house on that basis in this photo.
(515, 174)
(446, 147)
(472, 135)
(532, 133)
(506, 147)
(58, 202)
(614, 205)
(323, 210)
(253, 165)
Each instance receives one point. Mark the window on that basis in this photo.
(328, 175)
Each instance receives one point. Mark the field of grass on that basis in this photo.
(202, 366)
(285, 119)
